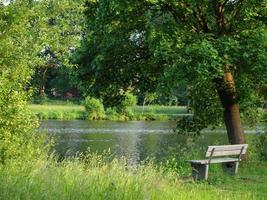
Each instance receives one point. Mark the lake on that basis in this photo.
(136, 140)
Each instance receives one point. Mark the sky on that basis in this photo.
(6, 2)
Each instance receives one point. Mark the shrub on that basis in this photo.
(17, 126)
(94, 108)
(112, 114)
(129, 113)
(129, 100)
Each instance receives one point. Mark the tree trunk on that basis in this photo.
(227, 93)
(43, 83)
(233, 125)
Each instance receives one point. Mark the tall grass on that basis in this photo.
(94, 178)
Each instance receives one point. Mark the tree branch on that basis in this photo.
(236, 13)
(201, 20)
(219, 16)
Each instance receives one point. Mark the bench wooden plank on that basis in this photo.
(214, 160)
(230, 146)
(225, 153)
(226, 150)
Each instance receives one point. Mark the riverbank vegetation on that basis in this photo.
(70, 111)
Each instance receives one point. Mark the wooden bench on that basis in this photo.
(228, 155)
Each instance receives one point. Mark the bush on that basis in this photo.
(94, 108)
(129, 113)
(129, 100)
(17, 126)
(112, 114)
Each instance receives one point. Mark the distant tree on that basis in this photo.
(114, 57)
(58, 32)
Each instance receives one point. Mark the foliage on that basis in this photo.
(94, 108)
(113, 50)
(125, 107)
(57, 25)
(17, 139)
(160, 45)
(26, 30)
(17, 126)
(129, 100)
(112, 114)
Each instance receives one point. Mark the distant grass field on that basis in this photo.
(161, 110)
(70, 111)
(61, 112)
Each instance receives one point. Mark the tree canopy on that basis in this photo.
(25, 31)
(217, 48)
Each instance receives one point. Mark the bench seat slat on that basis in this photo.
(226, 150)
(228, 147)
(214, 160)
(224, 153)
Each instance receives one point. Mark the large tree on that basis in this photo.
(23, 35)
(17, 53)
(221, 55)
(216, 47)
(115, 55)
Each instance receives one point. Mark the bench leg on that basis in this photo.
(200, 171)
(230, 167)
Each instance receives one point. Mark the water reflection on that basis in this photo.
(136, 140)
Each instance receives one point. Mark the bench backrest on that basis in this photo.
(226, 150)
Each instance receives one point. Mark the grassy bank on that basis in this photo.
(101, 177)
(61, 112)
(96, 179)
(67, 111)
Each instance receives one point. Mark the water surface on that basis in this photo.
(136, 140)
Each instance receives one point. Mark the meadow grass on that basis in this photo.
(101, 176)
(71, 111)
(94, 178)
(61, 112)
(159, 112)
(158, 109)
